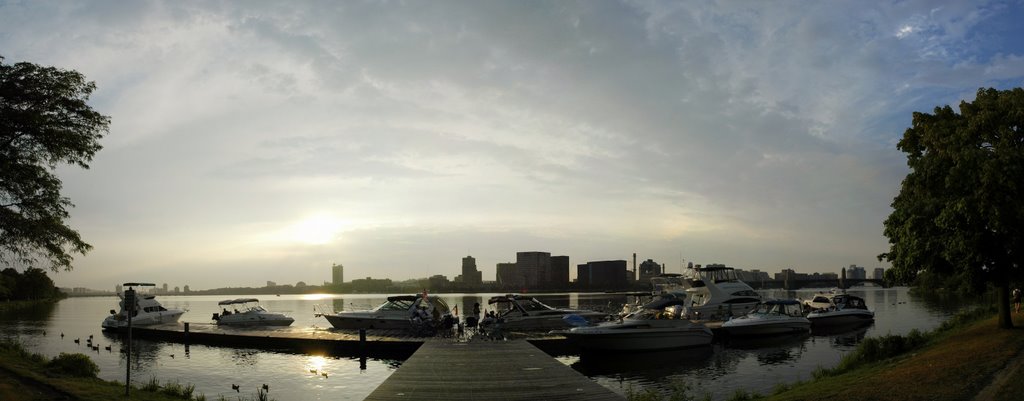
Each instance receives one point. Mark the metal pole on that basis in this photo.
(129, 299)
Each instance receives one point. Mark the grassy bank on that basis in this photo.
(954, 363)
(26, 376)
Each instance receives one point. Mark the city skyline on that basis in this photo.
(254, 142)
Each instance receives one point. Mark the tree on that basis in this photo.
(44, 122)
(960, 211)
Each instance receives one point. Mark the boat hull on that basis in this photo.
(148, 319)
(357, 321)
(255, 319)
(840, 318)
(542, 322)
(766, 327)
(641, 340)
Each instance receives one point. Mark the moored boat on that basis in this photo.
(843, 310)
(659, 325)
(252, 314)
(397, 312)
(147, 312)
(519, 312)
(769, 318)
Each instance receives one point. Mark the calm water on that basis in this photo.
(720, 369)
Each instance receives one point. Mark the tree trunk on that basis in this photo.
(1005, 320)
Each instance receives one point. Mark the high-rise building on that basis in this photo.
(507, 275)
(470, 275)
(559, 271)
(603, 275)
(337, 274)
(649, 268)
(535, 267)
(878, 274)
(856, 272)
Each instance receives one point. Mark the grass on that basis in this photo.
(25, 376)
(954, 362)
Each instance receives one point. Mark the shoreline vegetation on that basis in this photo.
(966, 358)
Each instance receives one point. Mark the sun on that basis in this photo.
(317, 229)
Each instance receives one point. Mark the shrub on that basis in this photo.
(77, 365)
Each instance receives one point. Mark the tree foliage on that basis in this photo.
(959, 211)
(45, 122)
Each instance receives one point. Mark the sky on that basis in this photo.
(255, 141)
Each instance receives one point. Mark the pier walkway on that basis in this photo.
(486, 370)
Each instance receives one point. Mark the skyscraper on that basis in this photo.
(470, 275)
(337, 274)
(535, 268)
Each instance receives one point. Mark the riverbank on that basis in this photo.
(25, 376)
(974, 362)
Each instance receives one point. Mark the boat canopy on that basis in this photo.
(237, 301)
(506, 298)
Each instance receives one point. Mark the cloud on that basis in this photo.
(759, 135)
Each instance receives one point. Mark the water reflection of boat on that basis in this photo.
(395, 313)
(147, 312)
(527, 313)
(843, 334)
(252, 314)
(665, 362)
(770, 318)
(659, 325)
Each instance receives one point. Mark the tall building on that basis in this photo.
(470, 275)
(535, 267)
(602, 275)
(337, 274)
(856, 272)
(559, 272)
(878, 274)
(507, 275)
(649, 268)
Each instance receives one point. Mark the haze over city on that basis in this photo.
(265, 141)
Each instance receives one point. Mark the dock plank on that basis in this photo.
(487, 370)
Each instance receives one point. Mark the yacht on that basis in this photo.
(843, 309)
(519, 312)
(147, 312)
(395, 313)
(659, 325)
(715, 293)
(251, 314)
(769, 318)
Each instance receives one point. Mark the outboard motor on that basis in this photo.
(216, 317)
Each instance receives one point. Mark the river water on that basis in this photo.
(720, 370)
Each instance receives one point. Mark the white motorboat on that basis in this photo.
(659, 325)
(396, 313)
(519, 312)
(842, 310)
(251, 314)
(147, 312)
(715, 293)
(769, 318)
(820, 300)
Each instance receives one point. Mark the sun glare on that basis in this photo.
(315, 230)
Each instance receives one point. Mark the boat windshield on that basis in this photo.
(395, 305)
(672, 312)
(533, 305)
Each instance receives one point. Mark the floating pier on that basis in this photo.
(380, 344)
(486, 370)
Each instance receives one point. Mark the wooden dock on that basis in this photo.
(486, 370)
(381, 344)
